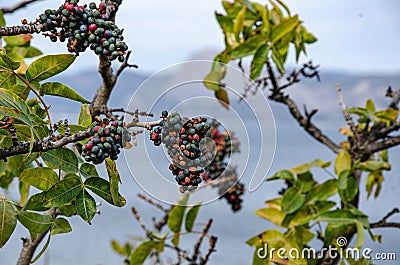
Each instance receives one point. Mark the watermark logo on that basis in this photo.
(341, 252)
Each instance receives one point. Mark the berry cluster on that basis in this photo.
(106, 141)
(233, 196)
(182, 138)
(84, 26)
(226, 144)
(232, 190)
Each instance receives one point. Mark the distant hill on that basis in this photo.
(321, 95)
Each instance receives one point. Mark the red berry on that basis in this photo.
(196, 137)
(102, 6)
(154, 136)
(92, 27)
(89, 146)
(96, 129)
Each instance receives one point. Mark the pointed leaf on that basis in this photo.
(360, 235)
(63, 192)
(42, 178)
(84, 119)
(88, 170)
(259, 59)
(323, 191)
(239, 22)
(247, 48)
(347, 186)
(223, 98)
(292, 200)
(337, 217)
(176, 215)
(271, 214)
(142, 252)
(60, 226)
(85, 206)
(286, 27)
(34, 222)
(282, 174)
(61, 90)
(6, 63)
(101, 187)
(48, 66)
(191, 217)
(114, 178)
(35, 203)
(8, 221)
(64, 158)
(342, 162)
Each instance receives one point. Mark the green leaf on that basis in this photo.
(305, 181)
(48, 66)
(114, 178)
(85, 206)
(84, 119)
(176, 215)
(32, 52)
(24, 192)
(88, 170)
(283, 28)
(247, 48)
(34, 222)
(175, 239)
(68, 209)
(259, 59)
(117, 247)
(2, 20)
(278, 60)
(282, 174)
(142, 252)
(101, 187)
(323, 191)
(292, 200)
(191, 217)
(303, 234)
(239, 22)
(271, 214)
(342, 161)
(61, 90)
(347, 186)
(223, 98)
(6, 63)
(64, 158)
(35, 203)
(20, 90)
(373, 165)
(18, 40)
(8, 220)
(63, 192)
(42, 178)
(60, 226)
(218, 70)
(317, 163)
(337, 217)
(13, 106)
(360, 235)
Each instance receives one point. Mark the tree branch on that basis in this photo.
(14, 8)
(42, 145)
(382, 145)
(103, 93)
(305, 122)
(383, 223)
(22, 29)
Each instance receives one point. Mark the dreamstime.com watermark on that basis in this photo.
(332, 252)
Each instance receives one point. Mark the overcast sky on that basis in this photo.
(357, 36)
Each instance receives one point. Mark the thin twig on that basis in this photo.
(22, 4)
(196, 249)
(383, 223)
(152, 202)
